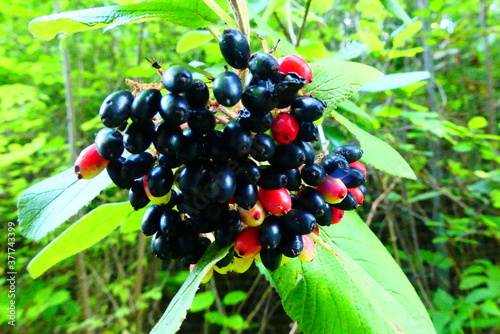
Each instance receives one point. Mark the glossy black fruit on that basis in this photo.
(169, 161)
(312, 201)
(201, 121)
(271, 258)
(160, 180)
(255, 122)
(215, 147)
(146, 104)
(151, 220)
(294, 179)
(245, 170)
(307, 109)
(354, 179)
(263, 147)
(227, 88)
(288, 86)
(308, 131)
(221, 186)
(326, 218)
(313, 174)
(226, 232)
(191, 146)
(138, 165)
(200, 247)
(270, 233)
(263, 66)
(187, 240)
(138, 136)
(288, 156)
(114, 170)
(348, 203)
(298, 221)
(350, 152)
(167, 139)
(137, 195)
(234, 48)
(170, 222)
(246, 195)
(260, 98)
(291, 245)
(109, 143)
(174, 109)
(237, 139)
(115, 109)
(201, 224)
(272, 178)
(335, 165)
(197, 95)
(308, 151)
(177, 79)
(192, 177)
(216, 212)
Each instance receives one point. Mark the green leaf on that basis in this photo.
(171, 320)
(406, 34)
(351, 107)
(397, 10)
(352, 286)
(472, 281)
(46, 205)
(378, 153)
(234, 297)
(133, 221)
(193, 13)
(192, 40)
(412, 52)
(335, 81)
(84, 233)
(477, 122)
(202, 301)
(127, 2)
(394, 81)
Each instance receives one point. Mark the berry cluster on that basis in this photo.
(240, 169)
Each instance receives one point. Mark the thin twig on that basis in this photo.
(379, 199)
(294, 328)
(304, 20)
(249, 293)
(282, 26)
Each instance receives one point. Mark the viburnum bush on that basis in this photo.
(226, 170)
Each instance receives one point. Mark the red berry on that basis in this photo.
(284, 128)
(309, 250)
(332, 189)
(253, 217)
(293, 63)
(358, 165)
(358, 194)
(247, 243)
(277, 202)
(316, 230)
(89, 163)
(337, 215)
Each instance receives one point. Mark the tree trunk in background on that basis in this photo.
(490, 107)
(83, 286)
(443, 279)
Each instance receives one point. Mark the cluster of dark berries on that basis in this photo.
(237, 170)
